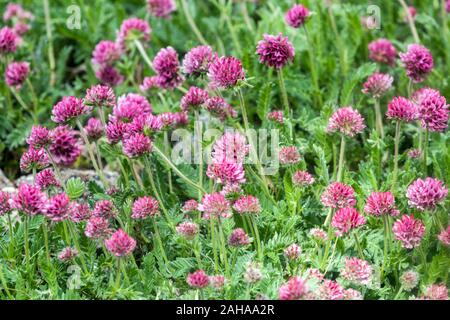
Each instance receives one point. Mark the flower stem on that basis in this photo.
(213, 244)
(358, 246)
(313, 66)
(144, 55)
(379, 119)
(159, 241)
(385, 251)
(254, 228)
(26, 244)
(45, 232)
(410, 19)
(56, 168)
(191, 22)
(4, 283)
(341, 160)
(24, 105)
(223, 248)
(425, 151)
(285, 100)
(51, 53)
(396, 147)
(198, 134)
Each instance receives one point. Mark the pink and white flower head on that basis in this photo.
(130, 106)
(8, 41)
(409, 280)
(409, 231)
(302, 178)
(276, 116)
(94, 129)
(188, 230)
(338, 195)
(29, 200)
(292, 252)
(120, 244)
(137, 145)
(253, 272)
(232, 190)
(215, 205)
(16, 11)
(425, 194)
(231, 146)
(68, 108)
(65, 148)
(443, 237)
(79, 212)
(318, 234)
(198, 279)
(415, 153)
(357, 271)
(190, 206)
(297, 16)
(225, 72)
(381, 203)
(16, 73)
(289, 155)
(433, 112)
(217, 282)
(104, 209)
(161, 8)
(218, 107)
(401, 109)
(149, 83)
(275, 51)
(436, 292)
(330, 290)
(67, 254)
(347, 219)
(347, 121)
(418, 62)
(238, 238)
(57, 207)
(5, 206)
(97, 228)
(194, 99)
(34, 159)
(382, 51)
(197, 61)
(352, 294)
(106, 53)
(133, 29)
(377, 85)
(145, 207)
(226, 172)
(418, 95)
(109, 75)
(247, 205)
(100, 96)
(115, 130)
(167, 66)
(39, 137)
(294, 289)
(313, 274)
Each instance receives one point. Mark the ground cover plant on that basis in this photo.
(225, 149)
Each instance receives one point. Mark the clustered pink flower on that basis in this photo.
(197, 61)
(131, 29)
(226, 172)
(16, 11)
(338, 195)
(253, 272)
(167, 66)
(115, 130)
(8, 41)
(215, 205)
(401, 109)
(409, 280)
(381, 203)
(137, 145)
(292, 252)
(68, 108)
(314, 274)
(97, 228)
(145, 207)
(436, 292)
(377, 85)
(79, 212)
(382, 51)
(217, 282)
(225, 72)
(149, 83)
(346, 120)
(418, 62)
(294, 289)
(352, 294)
(104, 209)
(5, 206)
(105, 53)
(94, 128)
(346, 219)
(247, 205)
(330, 290)
(109, 75)
(100, 96)
(275, 51)
(67, 254)
(297, 16)
(302, 178)
(415, 153)
(409, 231)
(276, 116)
(39, 137)
(218, 107)
(161, 8)
(130, 106)
(289, 155)
(198, 279)
(187, 229)
(57, 207)
(231, 146)
(444, 236)
(65, 147)
(426, 194)
(318, 234)
(16, 73)
(190, 205)
(231, 190)
(357, 271)
(120, 244)
(29, 200)
(194, 99)
(238, 238)
(433, 111)
(34, 159)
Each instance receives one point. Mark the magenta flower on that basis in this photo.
(289, 155)
(218, 107)
(29, 200)
(215, 205)
(294, 289)
(444, 236)
(79, 212)
(100, 96)
(57, 207)
(302, 178)
(197, 61)
(94, 129)
(377, 85)
(433, 111)
(161, 8)
(137, 145)
(167, 66)
(39, 137)
(34, 159)
(276, 116)
(198, 279)
(120, 244)
(5, 206)
(382, 51)
(409, 280)
(426, 194)
(357, 271)
(247, 205)
(104, 209)
(346, 219)
(418, 62)
(46, 179)
(109, 75)
(97, 228)
(146, 124)
(381, 203)
(132, 29)
(115, 130)
(65, 148)
(190, 206)
(68, 108)
(8, 41)
(238, 238)
(338, 195)
(130, 106)
(330, 290)
(145, 207)
(292, 252)
(231, 146)
(409, 231)
(226, 172)
(195, 98)
(401, 109)
(447, 6)
(275, 51)
(346, 120)
(16, 73)
(225, 72)
(106, 53)
(67, 254)
(436, 292)
(187, 229)
(297, 16)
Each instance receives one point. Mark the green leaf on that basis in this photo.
(75, 188)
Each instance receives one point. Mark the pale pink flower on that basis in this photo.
(106, 53)
(401, 109)
(275, 51)
(382, 51)
(302, 178)
(409, 280)
(225, 72)
(231, 190)
(253, 272)
(68, 108)
(436, 292)
(57, 207)
(338, 195)
(104, 209)
(314, 274)
(187, 229)
(217, 282)
(145, 207)
(215, 205)
(120, 244)
(149, 83)
(131, 29)
(94, 129)
(247, 205)
(425, 194)
(231, 146)
(444, 236)
(67, 254)
(357, 271)
(97, 228)
(161, 8)
(346, 219)
(330, 290)
(137, 145)
(198, 279)
(225, 172)
(29, 200)
(276, 116)
(8, 41)
(415, 153)
(289, 155)
(100, 96)
(39, 137)
(418, 62)
(381, 203)
(16, 11)
(238, 238)
(347, 121)
(294, 289)
(409, 231)
(5, 206)
(419, 95)
(318, 234)
(297, 15)
(16, 73)
(34, 159)
(197, 61)
(293, 252)
(377, 85)
(352, 294)
(190, 205)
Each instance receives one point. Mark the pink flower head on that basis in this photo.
(217, 282)
(357, 271)
(115, 130)
(167, 66)
(352, 294)
(382, 51)
(106, 53)
(46, 179)
(65, 148)
(294, 289)
(381, 203)
(289, 155)
(302, 178)
(426, 194)
(104, 209)
(146, 124)
(275, 51)
(190, 206)
(436, 292)
(5, 206)
(187, 229)
(20, 29)
(68, 108)
(57, 207)
(231, 190)
(409, 280)
(433, 111)
(67, 254)
(231, 146)
(39, 137)
(444, 236)
(137, 145)
(100, 96)
(253, 272)
(409, 231)
(197, 61)
(338, 195)
(225, 72)
(79, 212)
(120, 244)
(318, 234)
(447, 6)
(145, 207)
(215, 205)
(94, 129)
(130, 106)
(314, 274)
(346, 120)
(401, 109)
(247, 205)
(149, 83)
(198, 279)
(297, 16)
(16, 11)
(418, 62)
(377, 85)
(346, 219)
(8, 41)
(276, 116)
(132, 29)
(412, 12)
(419, 95)
(29, 199)
(226, 172)
(16, 73)
(161, 8)
(109, 75)
(293, 252)
(97, 228)
(238, 238)
(218, 107)
(195, 98)
(330, 290)
(34, 159)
